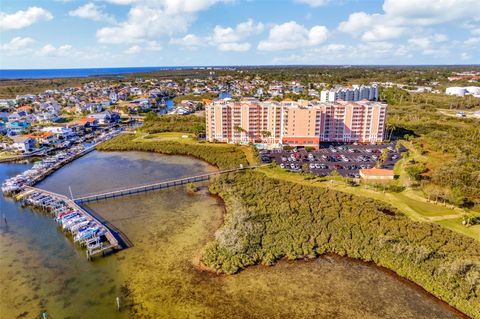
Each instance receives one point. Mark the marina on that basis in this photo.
(76, 222)
(44, 168)
(83, 227)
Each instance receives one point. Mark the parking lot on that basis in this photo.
(346, 159)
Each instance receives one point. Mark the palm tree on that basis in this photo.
(266, 133)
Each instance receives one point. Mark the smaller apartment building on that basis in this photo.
(301, 123)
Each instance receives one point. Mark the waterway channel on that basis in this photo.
(42, 270)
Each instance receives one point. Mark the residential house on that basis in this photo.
(19, 115)
(140, 105)
(136, 91)
(106, 117)
(94, 107)
(113, 96)
(59, 131)
(4, 116)
(46, 117)
(7, 103)
(25, 108)
(22, 143)
(105, 103)
(43, 138)
(17, 126)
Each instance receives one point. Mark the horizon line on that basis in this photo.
(244, 66)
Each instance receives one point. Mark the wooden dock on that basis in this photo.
(62, 163)
(154, 186)
(113, 242)
(115, 238)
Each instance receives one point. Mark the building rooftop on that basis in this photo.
(376, 172)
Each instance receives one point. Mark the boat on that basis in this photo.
(88, 233)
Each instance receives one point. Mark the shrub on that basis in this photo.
(222, 156)
(268, 219)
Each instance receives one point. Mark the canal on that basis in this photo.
(42, 270)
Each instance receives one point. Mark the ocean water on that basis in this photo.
(68, 73)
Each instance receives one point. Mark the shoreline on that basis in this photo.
(201, 267)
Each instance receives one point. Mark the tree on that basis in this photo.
(305, 168)
(266, 134)
(457, 198)
(383, 158)
(6, 139)
(239, 129)
(151, 116)
(415, 171)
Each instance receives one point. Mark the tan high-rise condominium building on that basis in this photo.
(302, 123)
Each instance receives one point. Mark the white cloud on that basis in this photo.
(22, 19)
(224, 38)
(399, 17)
(472, 41)
(238, 47)
(153, 46)
(402, 50)
(17, 43)
(314, 3)
(150, 19)
(356, 23)
(317, 35)
(465, 56)
(382, 32)
(427, 41)
(339, 53)
(150, 46)
(430, 45)
(121, 2)
(291, 35)
(241, 31)
(50, 50)
(431, 12)
(232, 39)
(134, 50)
(190, 41)
(93, 12)
(17, 46)
(475, 31)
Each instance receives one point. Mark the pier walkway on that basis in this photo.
(155, 186)
(114, 239)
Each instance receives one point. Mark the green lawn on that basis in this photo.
(166, 136)
(424, 208)
(456, 225)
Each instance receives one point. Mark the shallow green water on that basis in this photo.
(42, 270)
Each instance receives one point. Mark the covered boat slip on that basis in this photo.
(86, 228)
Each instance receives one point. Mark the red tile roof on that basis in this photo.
(376, 172)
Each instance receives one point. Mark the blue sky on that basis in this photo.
(115, 33)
